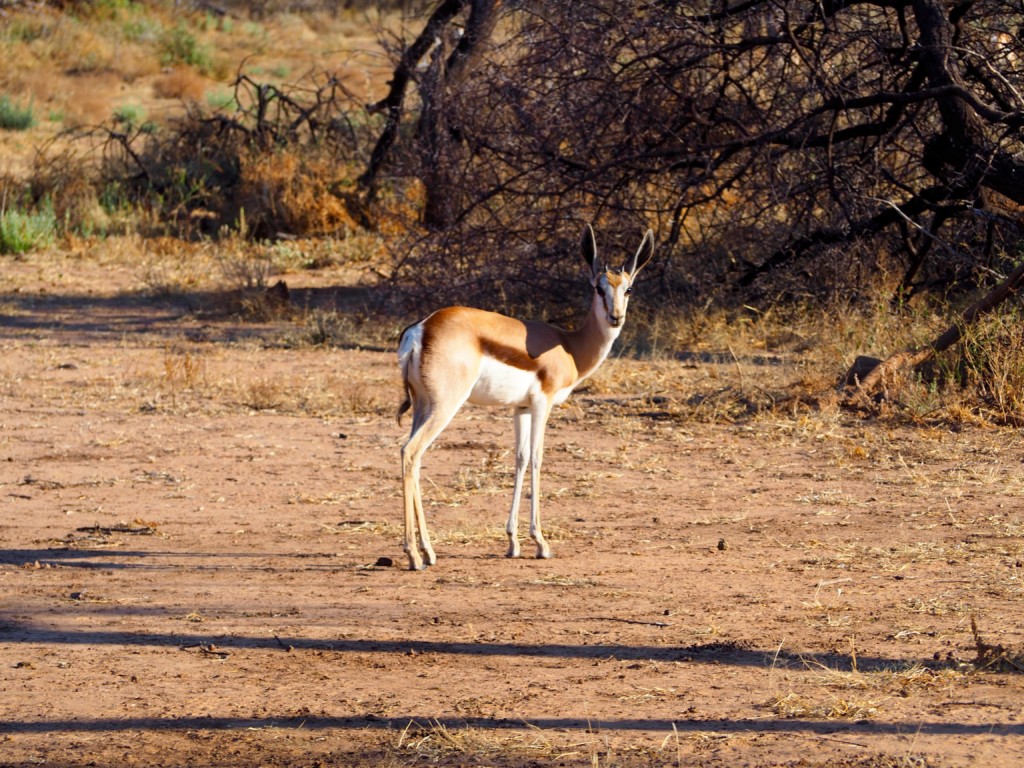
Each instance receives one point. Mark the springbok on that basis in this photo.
(459, 354)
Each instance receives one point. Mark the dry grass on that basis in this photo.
(290, 191)
(719, 365)
(439, 743)
(748, 380)
(170, 268)
(792, 705)
(436, 742)
(832, 694)
(181, 83)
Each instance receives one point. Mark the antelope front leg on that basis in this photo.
(522, 422)
(538, 421)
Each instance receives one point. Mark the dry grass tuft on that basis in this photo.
(518, 744)
(437, 742)
(182, 83)
(168, 268)
(262, 394)
(792, 705)
(289, 191)
(183, 374)
(347, 330)
(855, 694)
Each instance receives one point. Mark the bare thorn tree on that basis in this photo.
(781, 148)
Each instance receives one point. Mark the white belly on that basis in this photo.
(501, 384)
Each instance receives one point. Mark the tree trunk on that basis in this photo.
(435, 132)
(393, 104)
(974, 161)
(438, 135)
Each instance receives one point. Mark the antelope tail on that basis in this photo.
(407, 347)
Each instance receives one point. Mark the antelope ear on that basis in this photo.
(642, 256)
(588, 247)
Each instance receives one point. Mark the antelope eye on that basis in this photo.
(600, 290)
(629, 290)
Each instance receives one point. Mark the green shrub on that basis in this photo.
(142, 29)
(15, 117)
(179, 46)
(21, 232)
(114, 198)
(129, 114)
(111, 8)
(222, 101)
(22, 30)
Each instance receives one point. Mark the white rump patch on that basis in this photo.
(411, 343)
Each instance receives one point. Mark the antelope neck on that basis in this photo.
(592, 341)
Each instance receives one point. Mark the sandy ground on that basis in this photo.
(200, 564)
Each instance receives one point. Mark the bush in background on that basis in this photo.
(179, 46)
(23, 231)
(14, 117)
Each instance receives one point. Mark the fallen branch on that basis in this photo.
(208, 649)
(869, 377)
(632, 621)
(142, 529)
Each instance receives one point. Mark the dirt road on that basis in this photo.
(195, 530)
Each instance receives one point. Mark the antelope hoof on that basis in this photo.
(416, 562)
(543, 552)
(513, 550)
